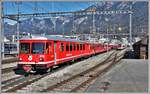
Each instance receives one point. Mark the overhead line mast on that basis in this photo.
(80, 12)
(130, 26)
(89, 12)
(2, 32)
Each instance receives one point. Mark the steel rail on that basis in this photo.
(76, 76)
(27, 81)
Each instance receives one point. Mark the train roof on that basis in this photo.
(47, 37)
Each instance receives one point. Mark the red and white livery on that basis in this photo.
(44, 52)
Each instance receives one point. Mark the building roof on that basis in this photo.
(6, 40)
(49, 37)
(143, 41)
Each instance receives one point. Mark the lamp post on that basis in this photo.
(63, 27)
(94, 28)
(18, 24)
(106, 19)
(130, 26)
(18, 35)
(2, 33)
(119, 29)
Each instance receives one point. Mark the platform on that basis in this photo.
(130, 75)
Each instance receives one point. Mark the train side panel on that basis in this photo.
(54, 52)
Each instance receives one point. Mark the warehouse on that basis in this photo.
(141, 48)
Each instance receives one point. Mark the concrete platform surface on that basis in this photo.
(130, 75)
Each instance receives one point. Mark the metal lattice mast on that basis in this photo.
(94, 22)
(18, 24)
(130, 27)
(2, 32)
(73, 24)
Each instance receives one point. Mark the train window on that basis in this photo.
(14, 47)
(25, 48)
(47, 48)
(6, 48)
(92, 46)
(70, 47)
(80, 46)
(77, 46)
(67, 47)
(38, 48)
(61, 47)
(83, 46)
(74, 47)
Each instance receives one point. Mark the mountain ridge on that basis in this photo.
(83, 24)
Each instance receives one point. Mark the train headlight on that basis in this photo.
(20, 59)
(30, 58)
(41, 59)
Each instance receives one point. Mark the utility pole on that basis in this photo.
(130, 27)
(1, 38)
(54, 19)
(107, 39)
(63, 29)
(18, 24)
(114, 30)
(18, 34)
(73, 25)
(2, 32)
(94, 31)
(106, 19)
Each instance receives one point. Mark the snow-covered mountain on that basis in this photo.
(83, 24)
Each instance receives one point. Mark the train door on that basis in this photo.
(55, 52)
(49, 52)
(61, 51)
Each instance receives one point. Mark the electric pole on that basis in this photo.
(130, 27)
(2, 32)
(18, 23)
(94, 28)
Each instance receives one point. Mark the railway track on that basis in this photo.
(6, 70)
(18, 83)
(10, 60)
(9, 81)
(14, 84)
(79, 81)
(67, 85)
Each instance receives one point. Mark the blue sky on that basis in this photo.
(43, 7)
(29, 7)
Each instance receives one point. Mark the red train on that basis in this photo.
(42, 53)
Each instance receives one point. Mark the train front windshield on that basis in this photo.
(24, 48)
(38, 48)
